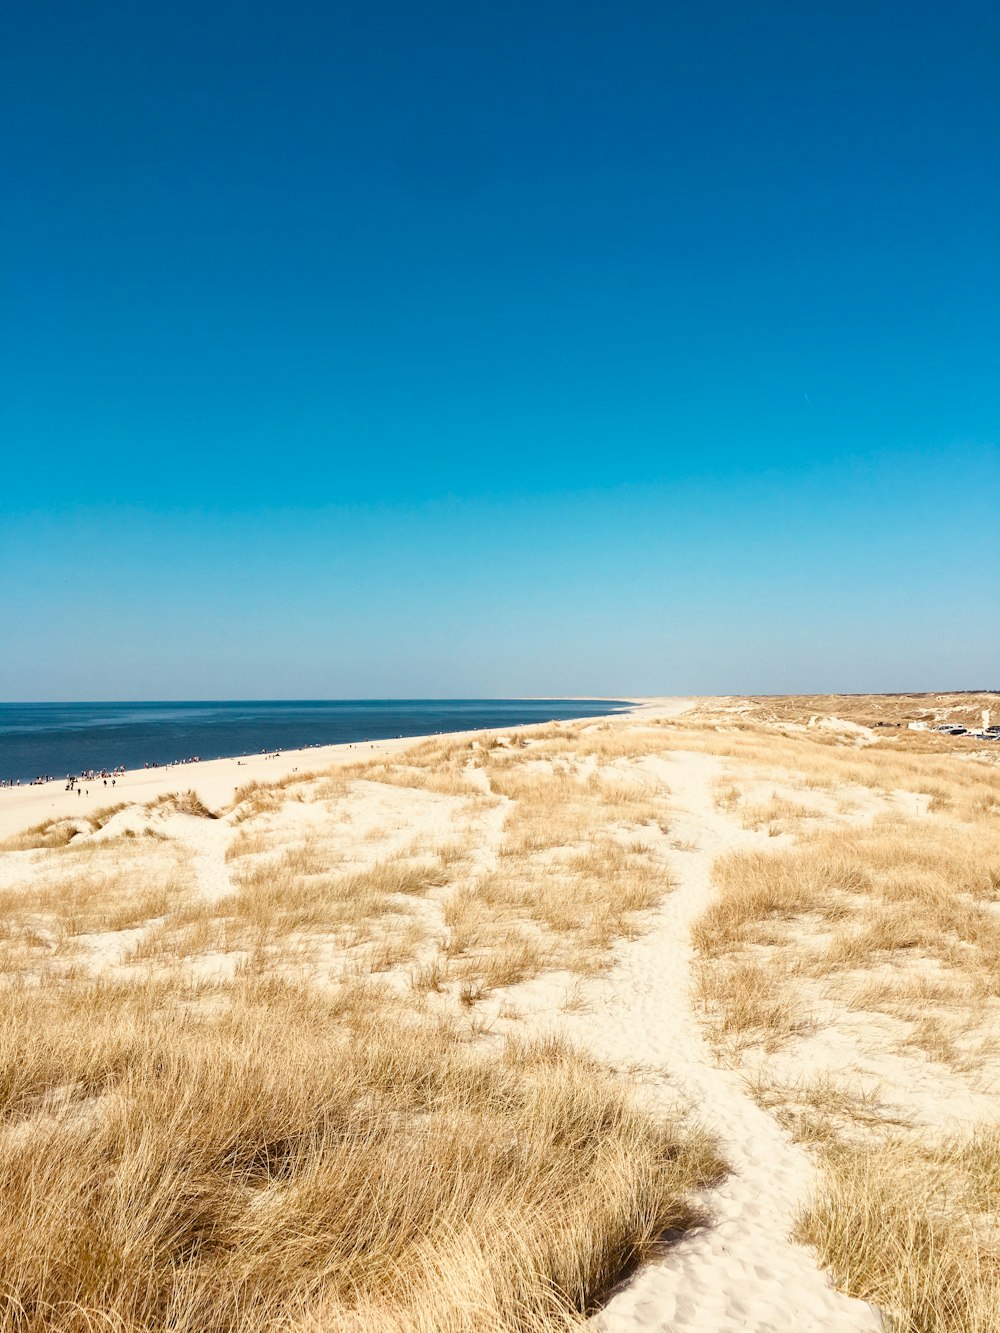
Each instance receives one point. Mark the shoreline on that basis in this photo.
(216, 780)
(130, 735)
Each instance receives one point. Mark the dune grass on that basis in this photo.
(257, 1155)
(844, 902)
(84, 892)
(59, 832)
(911, 1228)
(181, 803)
(554, 889)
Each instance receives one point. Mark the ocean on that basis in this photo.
(53, 739)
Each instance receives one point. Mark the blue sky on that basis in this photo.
(463, 349)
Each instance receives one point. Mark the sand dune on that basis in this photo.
(618, 1020)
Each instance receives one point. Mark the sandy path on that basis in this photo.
(207, 840)
(741, 1272)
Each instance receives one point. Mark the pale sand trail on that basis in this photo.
(740, 1272)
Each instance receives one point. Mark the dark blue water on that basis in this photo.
(56, 739)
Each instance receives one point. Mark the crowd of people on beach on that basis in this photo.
(78, 782)
(94, 775)
(72, 780)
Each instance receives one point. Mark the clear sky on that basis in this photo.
(486, 349)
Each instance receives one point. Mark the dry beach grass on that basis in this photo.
(299, 1061)
(252, 1154)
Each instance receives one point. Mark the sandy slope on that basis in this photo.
(215, 781)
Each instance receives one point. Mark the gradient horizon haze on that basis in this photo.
(458, 350)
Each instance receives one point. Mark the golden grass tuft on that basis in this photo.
(113, 885)
(59, 832)
(253, 1156)
(913, 1230)
(182, 803)
(745, 1007)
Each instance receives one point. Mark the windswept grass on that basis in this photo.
(182, 803)
(563, 883)
(920, 888)
(275, 897)
(913, 1230)
(59, 832)
(568, 882)
(744, 1002)
(251, 1157)
(110, 885)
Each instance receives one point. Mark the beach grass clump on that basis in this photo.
(273, 898)
(181, 803)
(570, 876)
(50, 833)
(744, 1004)
(110, 885)
(259, 1155)
(889, 889)
(60, 832)
(291, 904)
(913, 1228)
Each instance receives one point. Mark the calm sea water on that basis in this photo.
(56, 739)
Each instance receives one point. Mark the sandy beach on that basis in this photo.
(215, 780)
(760, 933)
